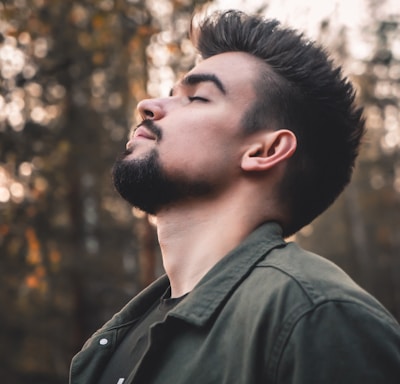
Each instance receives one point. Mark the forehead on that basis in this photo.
(237, 71)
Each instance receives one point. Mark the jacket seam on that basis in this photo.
(306, 288)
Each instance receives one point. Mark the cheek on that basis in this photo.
(202, 141)
(201, 160)
(189, 141)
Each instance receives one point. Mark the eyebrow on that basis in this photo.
(199, 78)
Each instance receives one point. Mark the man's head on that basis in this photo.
(255, 77)
(299, 89)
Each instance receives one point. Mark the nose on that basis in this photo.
(151, 109)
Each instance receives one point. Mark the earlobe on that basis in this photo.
(269, 150)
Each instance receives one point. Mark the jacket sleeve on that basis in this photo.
(341, 342)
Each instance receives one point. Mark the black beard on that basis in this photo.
(144, 184)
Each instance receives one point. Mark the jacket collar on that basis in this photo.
(215, 287)
(219, 283)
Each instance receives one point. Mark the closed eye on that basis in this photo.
(197, 98)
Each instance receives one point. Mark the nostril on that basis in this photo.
(148, 113)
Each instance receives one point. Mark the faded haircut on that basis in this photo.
(300, 89)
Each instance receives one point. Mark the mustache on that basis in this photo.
(152, 127)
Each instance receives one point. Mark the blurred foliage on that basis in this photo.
(71, 251)
(71, 73)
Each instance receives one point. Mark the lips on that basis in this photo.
(142, 132)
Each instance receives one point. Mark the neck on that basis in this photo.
(195, 236)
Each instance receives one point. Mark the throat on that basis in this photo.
(192, 243)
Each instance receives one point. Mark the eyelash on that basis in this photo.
(198, 98)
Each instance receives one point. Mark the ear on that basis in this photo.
(268, 150)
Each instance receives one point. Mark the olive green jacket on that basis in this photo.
(269, 312)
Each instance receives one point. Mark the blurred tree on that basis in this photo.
(70, 75)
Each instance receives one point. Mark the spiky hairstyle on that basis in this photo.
(300, 90)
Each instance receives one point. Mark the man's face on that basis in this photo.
(190, 144)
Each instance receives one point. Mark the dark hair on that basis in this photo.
(300, 90)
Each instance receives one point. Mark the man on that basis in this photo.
(252, 144)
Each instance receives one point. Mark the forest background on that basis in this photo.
(71, 72)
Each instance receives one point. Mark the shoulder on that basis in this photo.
(314, 312)
(293, 273)
(292, 287)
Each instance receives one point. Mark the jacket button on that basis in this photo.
(103, 342)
